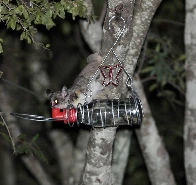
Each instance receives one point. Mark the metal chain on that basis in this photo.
(129, 80)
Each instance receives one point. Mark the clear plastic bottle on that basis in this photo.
(107, 113)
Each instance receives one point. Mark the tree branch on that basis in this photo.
(123, 137)
(97, 169)
(99, 152)
(190, 109)
(92, 33)
(122, 146)
(152, 146)
(143, 14)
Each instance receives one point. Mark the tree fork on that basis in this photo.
(97, 169)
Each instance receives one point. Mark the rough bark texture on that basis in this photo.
(122, 146)
(190, 112)
(122, 141)
(143, 14)
(152, 146)
(110, 36)
(99, 153)
(97, 168)
(156, 158)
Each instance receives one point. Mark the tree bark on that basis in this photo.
(152, 146)
(99, 152)
(122, 145)
(97, 168)
(122, 141)
(143, 14)
(157, 158)
(190, 109)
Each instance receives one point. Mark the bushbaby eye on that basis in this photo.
(56, 101)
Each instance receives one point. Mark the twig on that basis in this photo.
(8, 130)
(20, 87)
(148, 79)
(177, 87)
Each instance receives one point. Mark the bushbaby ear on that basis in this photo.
(64, 92)
(48, 92)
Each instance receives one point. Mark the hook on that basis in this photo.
(118, 10)
(109, 23)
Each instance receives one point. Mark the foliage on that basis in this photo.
(5, 136)
(24, 16)
(164, 67)
(23, 146)
(31, 147)
(9, 136)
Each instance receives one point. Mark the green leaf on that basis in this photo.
(18, 27)
(29, 40)
(18, 10)
(181, 58)
(35, 138)
(13, 22)
(147, 69)
(47, 45)
(25, 13)
(1, 48)
(61, 12)
(23, 149)
(5, 137)
(23, 35)
(39, 153)
(182, 84)
(157, 49)
(21, 137)
(153, 87)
